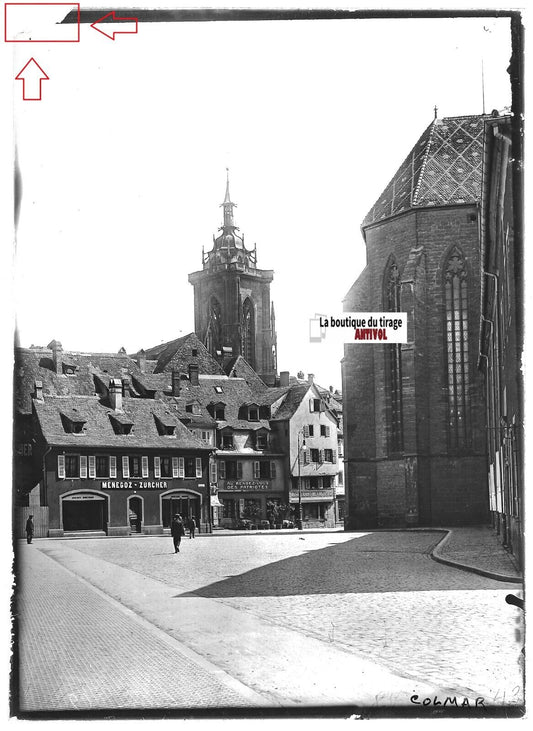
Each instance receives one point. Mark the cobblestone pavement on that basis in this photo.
(479, 546)
(373, 606)
(95, 658)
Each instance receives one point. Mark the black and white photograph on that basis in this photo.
(267, 303)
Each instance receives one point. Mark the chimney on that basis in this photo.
(141, 360)
(39, 391)
(57, 355)
(115, 394)
(126, 387)
(284, 378)
(175, 383)
(310, 378)
(193, 374)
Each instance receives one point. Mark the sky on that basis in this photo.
(123, 165)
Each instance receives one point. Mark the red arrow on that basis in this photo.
(31, 76)
(113, 19)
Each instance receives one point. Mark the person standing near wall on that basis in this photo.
(192, 526)
(29, 529)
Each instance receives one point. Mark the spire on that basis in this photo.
(228, 206)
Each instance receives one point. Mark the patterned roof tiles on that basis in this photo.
(443, 168)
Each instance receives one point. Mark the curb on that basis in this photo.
(467, 567)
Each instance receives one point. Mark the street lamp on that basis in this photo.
(300, 448)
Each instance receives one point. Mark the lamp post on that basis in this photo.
(300, 447)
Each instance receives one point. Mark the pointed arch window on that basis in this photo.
(248, 332)
(394, 361)
(456, 325)
(214, 326)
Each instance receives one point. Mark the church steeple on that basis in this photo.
(229, 223)
(232, 306)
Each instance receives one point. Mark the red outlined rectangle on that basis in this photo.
(27, 11)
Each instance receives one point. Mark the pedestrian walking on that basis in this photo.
(29, 529)
(192, 526)
(177, 530)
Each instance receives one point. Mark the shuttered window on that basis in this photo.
(112, 466)
(175, 467)
(198, 466)
(257, 469)
(92, 467)
(181, 467)
(272, 470)
(145, 466)
(61, 466)
(222, 469)
(213, 471)
(83, 467)
(239, 470)
(125, 467)
(157, 466)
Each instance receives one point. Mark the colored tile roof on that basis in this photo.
(443, 168)
(99, 432)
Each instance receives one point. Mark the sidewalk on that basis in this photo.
(477, 549)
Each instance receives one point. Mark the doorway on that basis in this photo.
(84, 513)
(180, 504)
(135, 514)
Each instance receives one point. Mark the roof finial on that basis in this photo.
(435, 109)
(228, 205)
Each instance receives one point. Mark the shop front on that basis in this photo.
(318, 507)
(245, 504)
(84, 511)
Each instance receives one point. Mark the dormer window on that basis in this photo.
(261, 441)
(122, 423)
(73, 422)
(194, 352)
(226, 441)
(253, 414)
(217, 410)
(219, 413)
(264, 412)
(69, 369)
(166, 424)
(193, 408)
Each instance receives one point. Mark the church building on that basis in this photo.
(415, 413)
(233, 314)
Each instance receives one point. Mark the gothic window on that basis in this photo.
(248, 332)
(456, 323)
(214, 326)
(394, 361)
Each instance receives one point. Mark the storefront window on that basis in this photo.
(229, 509)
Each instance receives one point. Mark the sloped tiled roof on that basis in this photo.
(99, 430)
(291, 402)
(176, 355)
(240, 368)
(235, 393)
(443, 168)
(35, 364)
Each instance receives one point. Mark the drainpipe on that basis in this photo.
(45, 481)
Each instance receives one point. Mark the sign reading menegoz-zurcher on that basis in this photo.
(134, 485)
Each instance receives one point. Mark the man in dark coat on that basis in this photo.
(29, 529)
(177, 530)
(192, 526)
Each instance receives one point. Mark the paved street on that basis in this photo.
(260, 620)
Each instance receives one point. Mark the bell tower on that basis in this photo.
(233, 314)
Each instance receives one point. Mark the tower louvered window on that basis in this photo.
(394, 361)
(248, 332)
(214, 327)
(455, 290)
